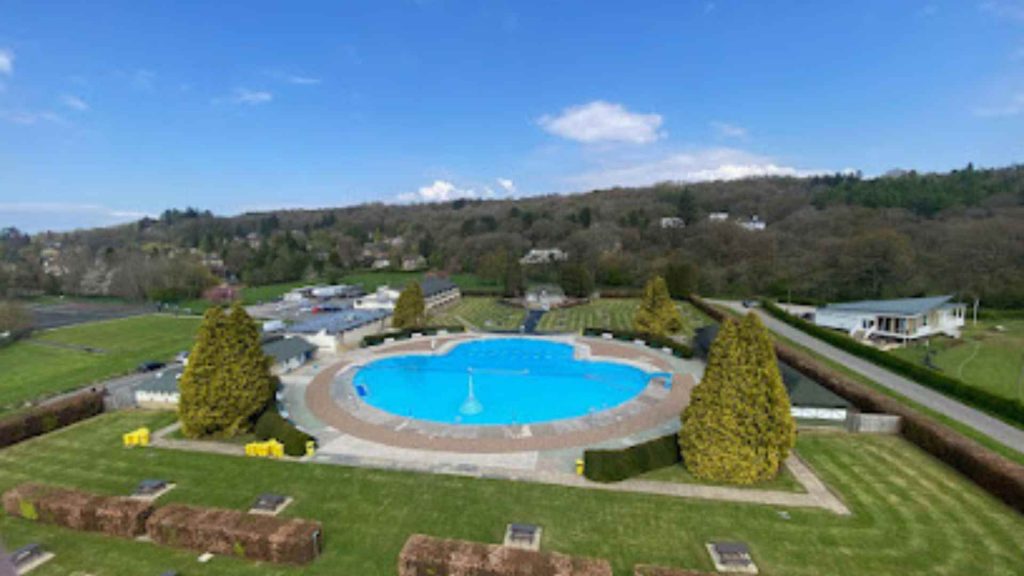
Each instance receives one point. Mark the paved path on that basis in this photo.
(992, 427)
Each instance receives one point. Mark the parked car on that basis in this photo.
(150, 366)
(749, 303)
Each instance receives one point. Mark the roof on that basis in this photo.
(434, 286)
(900, 307)
(285, 349)
(165, 381)
(338, 322)
(806, 393)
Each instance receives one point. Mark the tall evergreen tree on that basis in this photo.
(657, 313)
(227, 382)
(738, 427)
(410, 310)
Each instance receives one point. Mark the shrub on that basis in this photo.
(428, 556)
(1006, 408)
(375, 339)
(254, 536)
(272, 425)
(678, 348)
(657, 313)
(49, 417)
(78, 510)
(738, 427)
(617, 465)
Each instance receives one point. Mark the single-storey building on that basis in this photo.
(330, 330)
(383, 298)
(903, 319)
(439, 292)
(544, 296)
(288, 353)
(161, 389)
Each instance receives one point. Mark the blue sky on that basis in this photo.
(113, 110)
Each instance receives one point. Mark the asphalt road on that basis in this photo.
(992, 427)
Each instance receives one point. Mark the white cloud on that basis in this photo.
(507, 185)
(30, 117)
(1009, 9)
(695, 166)
(74, 102)
(1013, 107)
(6, 61)
(439, 191)
(247, 97)
(726, 130)
(601, 121)
(303, 80)
(36, 216)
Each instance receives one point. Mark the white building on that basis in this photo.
(383, 299)
(755, 224)
(544, 256)
(904, 319)
(718, 216)
(439, 292)
(545, 296)
(669, 222)
(381, 264)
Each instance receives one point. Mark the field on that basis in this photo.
(613, 314)
(58, 360)
(985, 356)
(482, 313)
(911, 515)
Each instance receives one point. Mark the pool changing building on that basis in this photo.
(330, 330)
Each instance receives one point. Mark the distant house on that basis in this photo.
(903, 319)
(381, 264)
(413, 263)
(328, 331)
(335, 291)
(671, 222)
(718, 216)
(161, 389)
(544, 256)
(755, 224)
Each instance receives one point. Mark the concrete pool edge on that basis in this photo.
(587, 430)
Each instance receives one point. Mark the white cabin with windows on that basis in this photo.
(904, 319)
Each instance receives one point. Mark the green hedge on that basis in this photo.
(272, 425)
(375, 339)
(1006, 408)
(618, 465)
(50, 416)
(678, 348)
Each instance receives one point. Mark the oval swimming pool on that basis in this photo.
(497, 381)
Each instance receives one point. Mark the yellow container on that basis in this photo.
(579, 467)
(139, 437)
(310, 447)
(269, 449)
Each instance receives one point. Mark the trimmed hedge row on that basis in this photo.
(110, 515)
(678, 348)
(428, 556)
(618, 465)
(272, 425)
(995, 474)
(375, 339)
(49, 417)
(1009, 409)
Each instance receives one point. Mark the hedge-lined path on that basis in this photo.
(988, 425)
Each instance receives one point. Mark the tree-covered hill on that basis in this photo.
(826, 237)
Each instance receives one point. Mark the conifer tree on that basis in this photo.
(657, 314)
(227, 382)
(738, 427)
(410, 310)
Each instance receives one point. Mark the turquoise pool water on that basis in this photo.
(499, 381)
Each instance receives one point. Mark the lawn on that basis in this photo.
(984, 356)
(911, 515)
(482, 313)
(55, 361)
(784, 481)
(613, 314)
